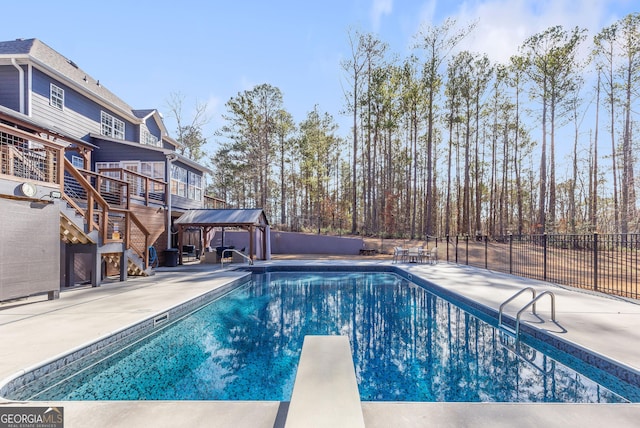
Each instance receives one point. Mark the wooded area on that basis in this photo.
(445, 142)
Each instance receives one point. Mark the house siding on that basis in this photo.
(114, 152)
(80, 115)
(9, 87)
(153, 128)
(80, 118)
(181, 203)
(74, 119)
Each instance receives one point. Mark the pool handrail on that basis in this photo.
(233, 250)
(533, 302)
(533, 291)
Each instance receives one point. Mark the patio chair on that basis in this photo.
(414, 255)
(399, 254)
(432, 255)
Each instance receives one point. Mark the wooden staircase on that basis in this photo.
(71, 233)
(133, 267)
(111, 228)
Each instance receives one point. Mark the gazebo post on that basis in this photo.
(252, 244)
(180, 231)
(205, 238)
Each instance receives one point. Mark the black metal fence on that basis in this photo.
(607, 263)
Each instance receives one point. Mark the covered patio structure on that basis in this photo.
(251, 220)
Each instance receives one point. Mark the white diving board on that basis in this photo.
(325, 392)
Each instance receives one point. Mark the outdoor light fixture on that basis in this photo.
(28, 189)
(54, 194)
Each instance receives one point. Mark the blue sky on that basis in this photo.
(210, 50)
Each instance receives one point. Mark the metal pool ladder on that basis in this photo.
(532, 303)
(231, 250)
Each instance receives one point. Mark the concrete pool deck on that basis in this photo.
(35, 330)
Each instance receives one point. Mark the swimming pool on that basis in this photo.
(408, 345)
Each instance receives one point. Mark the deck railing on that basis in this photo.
(29, 156)
(608, 263)
(140, 186)
(103, 201)
(114, 191)
(116, 223)
(213, 203)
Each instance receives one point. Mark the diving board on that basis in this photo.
(325, 392)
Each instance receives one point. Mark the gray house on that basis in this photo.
(119, 182)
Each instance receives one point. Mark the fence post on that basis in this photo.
(595, 261)
(544, 256)
(486, 252)
(457, 241)
(447, 248)
(511, 253)
(466, 240)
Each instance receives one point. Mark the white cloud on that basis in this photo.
(378, 9)
(503, 25)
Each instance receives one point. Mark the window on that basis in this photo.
(186, 183)
(56, 96)
(152, 169)
(77, 161)
(111, 126)
(195, 186)
(108, 165)
(149, 139)
(178, 181)
(108, 184)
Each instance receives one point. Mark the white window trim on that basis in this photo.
(148, 138)
(153, 169)
(179, 181)
(195, 186)
(56, 96)
(111, 126)
(77, 161)
(100, 165)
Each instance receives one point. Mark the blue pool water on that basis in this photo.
(408, 345)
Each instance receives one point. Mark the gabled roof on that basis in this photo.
(223, 218)
(147, 113)
(141, 114)
(64, 69)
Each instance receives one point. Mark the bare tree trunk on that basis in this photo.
(542, 212)
(628, 184)
(552, 164)
(593, 218)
